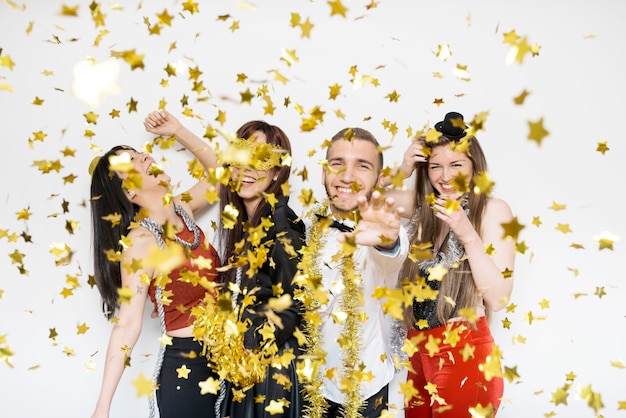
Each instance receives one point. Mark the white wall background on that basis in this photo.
(572, 288)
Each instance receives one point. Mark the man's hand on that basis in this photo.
(379, 224)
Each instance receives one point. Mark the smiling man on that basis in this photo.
(380, 246)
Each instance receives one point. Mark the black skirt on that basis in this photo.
(180, 397)
(280, 387)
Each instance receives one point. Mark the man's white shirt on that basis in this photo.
(377, 269)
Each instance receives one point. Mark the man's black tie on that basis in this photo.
(341, 227)
(338, 225)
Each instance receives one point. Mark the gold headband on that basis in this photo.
(93, 164)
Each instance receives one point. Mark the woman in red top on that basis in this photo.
(133, 213)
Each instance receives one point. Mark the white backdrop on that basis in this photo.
(564, 345)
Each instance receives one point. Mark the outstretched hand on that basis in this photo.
(379, 223)
(162, 122)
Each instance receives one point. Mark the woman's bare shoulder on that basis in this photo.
(498, 208)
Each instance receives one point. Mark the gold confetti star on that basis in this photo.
(393, 97)
(557, 206)
(132, 105)
(571, 376)
(62, 252)
(534, 50)
(602, 147)
(125, 294)
(606, 240)
(37, 136)
(275, 407)
(24, 214)
(519, 100)
(512, 229)
(480, 411)
(594, 400)
(289, 56)
(246, 96)
(165, 339)
(560, 395)
(335, 90)
(66, 293)
(437, 273)
(191, 7)
(483, 184)
(295, 20)
(537, 131)
(82, 329)
(600, 292)
(91, 117)
(17, 257)
(306, 28)
(210, 385)
(337, 8)
(521, 247)
(183, 372)
(165, 18)
(143, 386)
(511, 373)
(135, 60)
(564, 228)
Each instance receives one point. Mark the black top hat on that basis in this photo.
(450, 126)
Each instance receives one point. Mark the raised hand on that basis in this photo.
(414, 154)
(162, 122)
(379, 224)
(456, 218)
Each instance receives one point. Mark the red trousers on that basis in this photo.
(454, 371)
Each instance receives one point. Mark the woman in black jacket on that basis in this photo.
(262, 248)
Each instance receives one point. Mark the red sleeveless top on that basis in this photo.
(182, 294)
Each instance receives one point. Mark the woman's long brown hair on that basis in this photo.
(458, 284)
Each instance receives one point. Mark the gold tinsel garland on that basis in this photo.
(351, 345)
(309, 286)
(220, 328)
(312, 296)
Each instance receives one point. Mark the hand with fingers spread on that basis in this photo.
(379, 224)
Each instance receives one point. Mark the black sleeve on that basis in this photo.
(279, 269)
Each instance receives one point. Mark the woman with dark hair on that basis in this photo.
(455, 368)
(261, 249)
(134, 215)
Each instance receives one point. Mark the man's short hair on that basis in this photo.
(358, 133)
